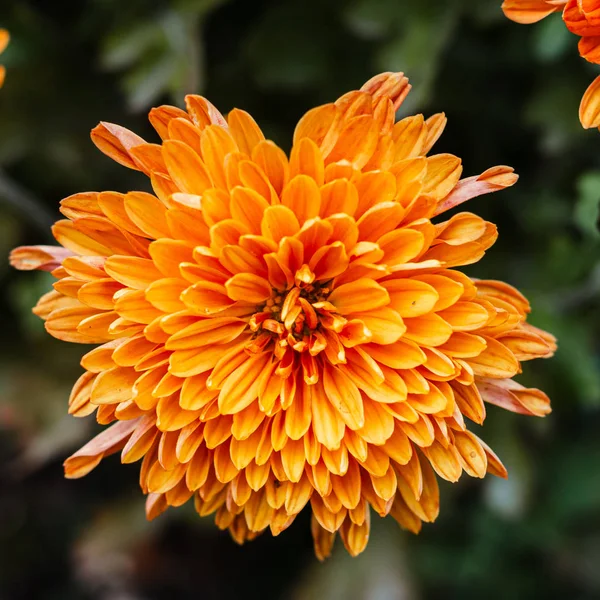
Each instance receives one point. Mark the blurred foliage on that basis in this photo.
(511, 94)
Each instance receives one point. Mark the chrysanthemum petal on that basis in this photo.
(108, 442)
(321, 125)
(360, 295)
(206, 298)
(137, 273)
(244, 130)
(186, 168)
(45, 258)
(492, 180)
(148, 213)
(115, 141)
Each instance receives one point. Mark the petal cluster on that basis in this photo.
(582, 17)
(276, 332)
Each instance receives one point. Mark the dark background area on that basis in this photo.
(511, 94)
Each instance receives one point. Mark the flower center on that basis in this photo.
(296, 319)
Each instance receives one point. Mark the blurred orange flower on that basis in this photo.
(530, 11)
(582, 17)
(4, 39)
(280, 332)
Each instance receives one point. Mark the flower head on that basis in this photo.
(280, 332)
(582, 17)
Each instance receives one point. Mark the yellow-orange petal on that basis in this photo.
(137, 273)
(361, 295)
(244, 130)
(273, 162)
(410, 297)
(409, 137)
(206, 332)
(321, 125)
(185, 167)
(443, 173)
(279, 222)
(301, 195)
(161, 116)
(241, 387)
(383, 325)
(344, 396)
(206, 298)
(307, 159)
(495, 361)
(148, 213)
(248, 207)
(248, 287)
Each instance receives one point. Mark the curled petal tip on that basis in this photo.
(45, 258)
(492, 180)
(393, 85)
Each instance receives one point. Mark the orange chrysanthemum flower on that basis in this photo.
(281, 332)
(4, 39)
(582, 17)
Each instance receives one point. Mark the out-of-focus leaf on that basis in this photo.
(415, 49)
(552, 39)
(125, 47)
(159, 56)
(575, 489)
(148, 82)
(510, 497)
(288, 49)
(53, 442)
(484, 11)
(198, 7)
(554, 108)
(578, 363)
(373, 19)
(587, 209)
(24, 294)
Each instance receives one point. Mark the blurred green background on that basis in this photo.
(511, 94)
